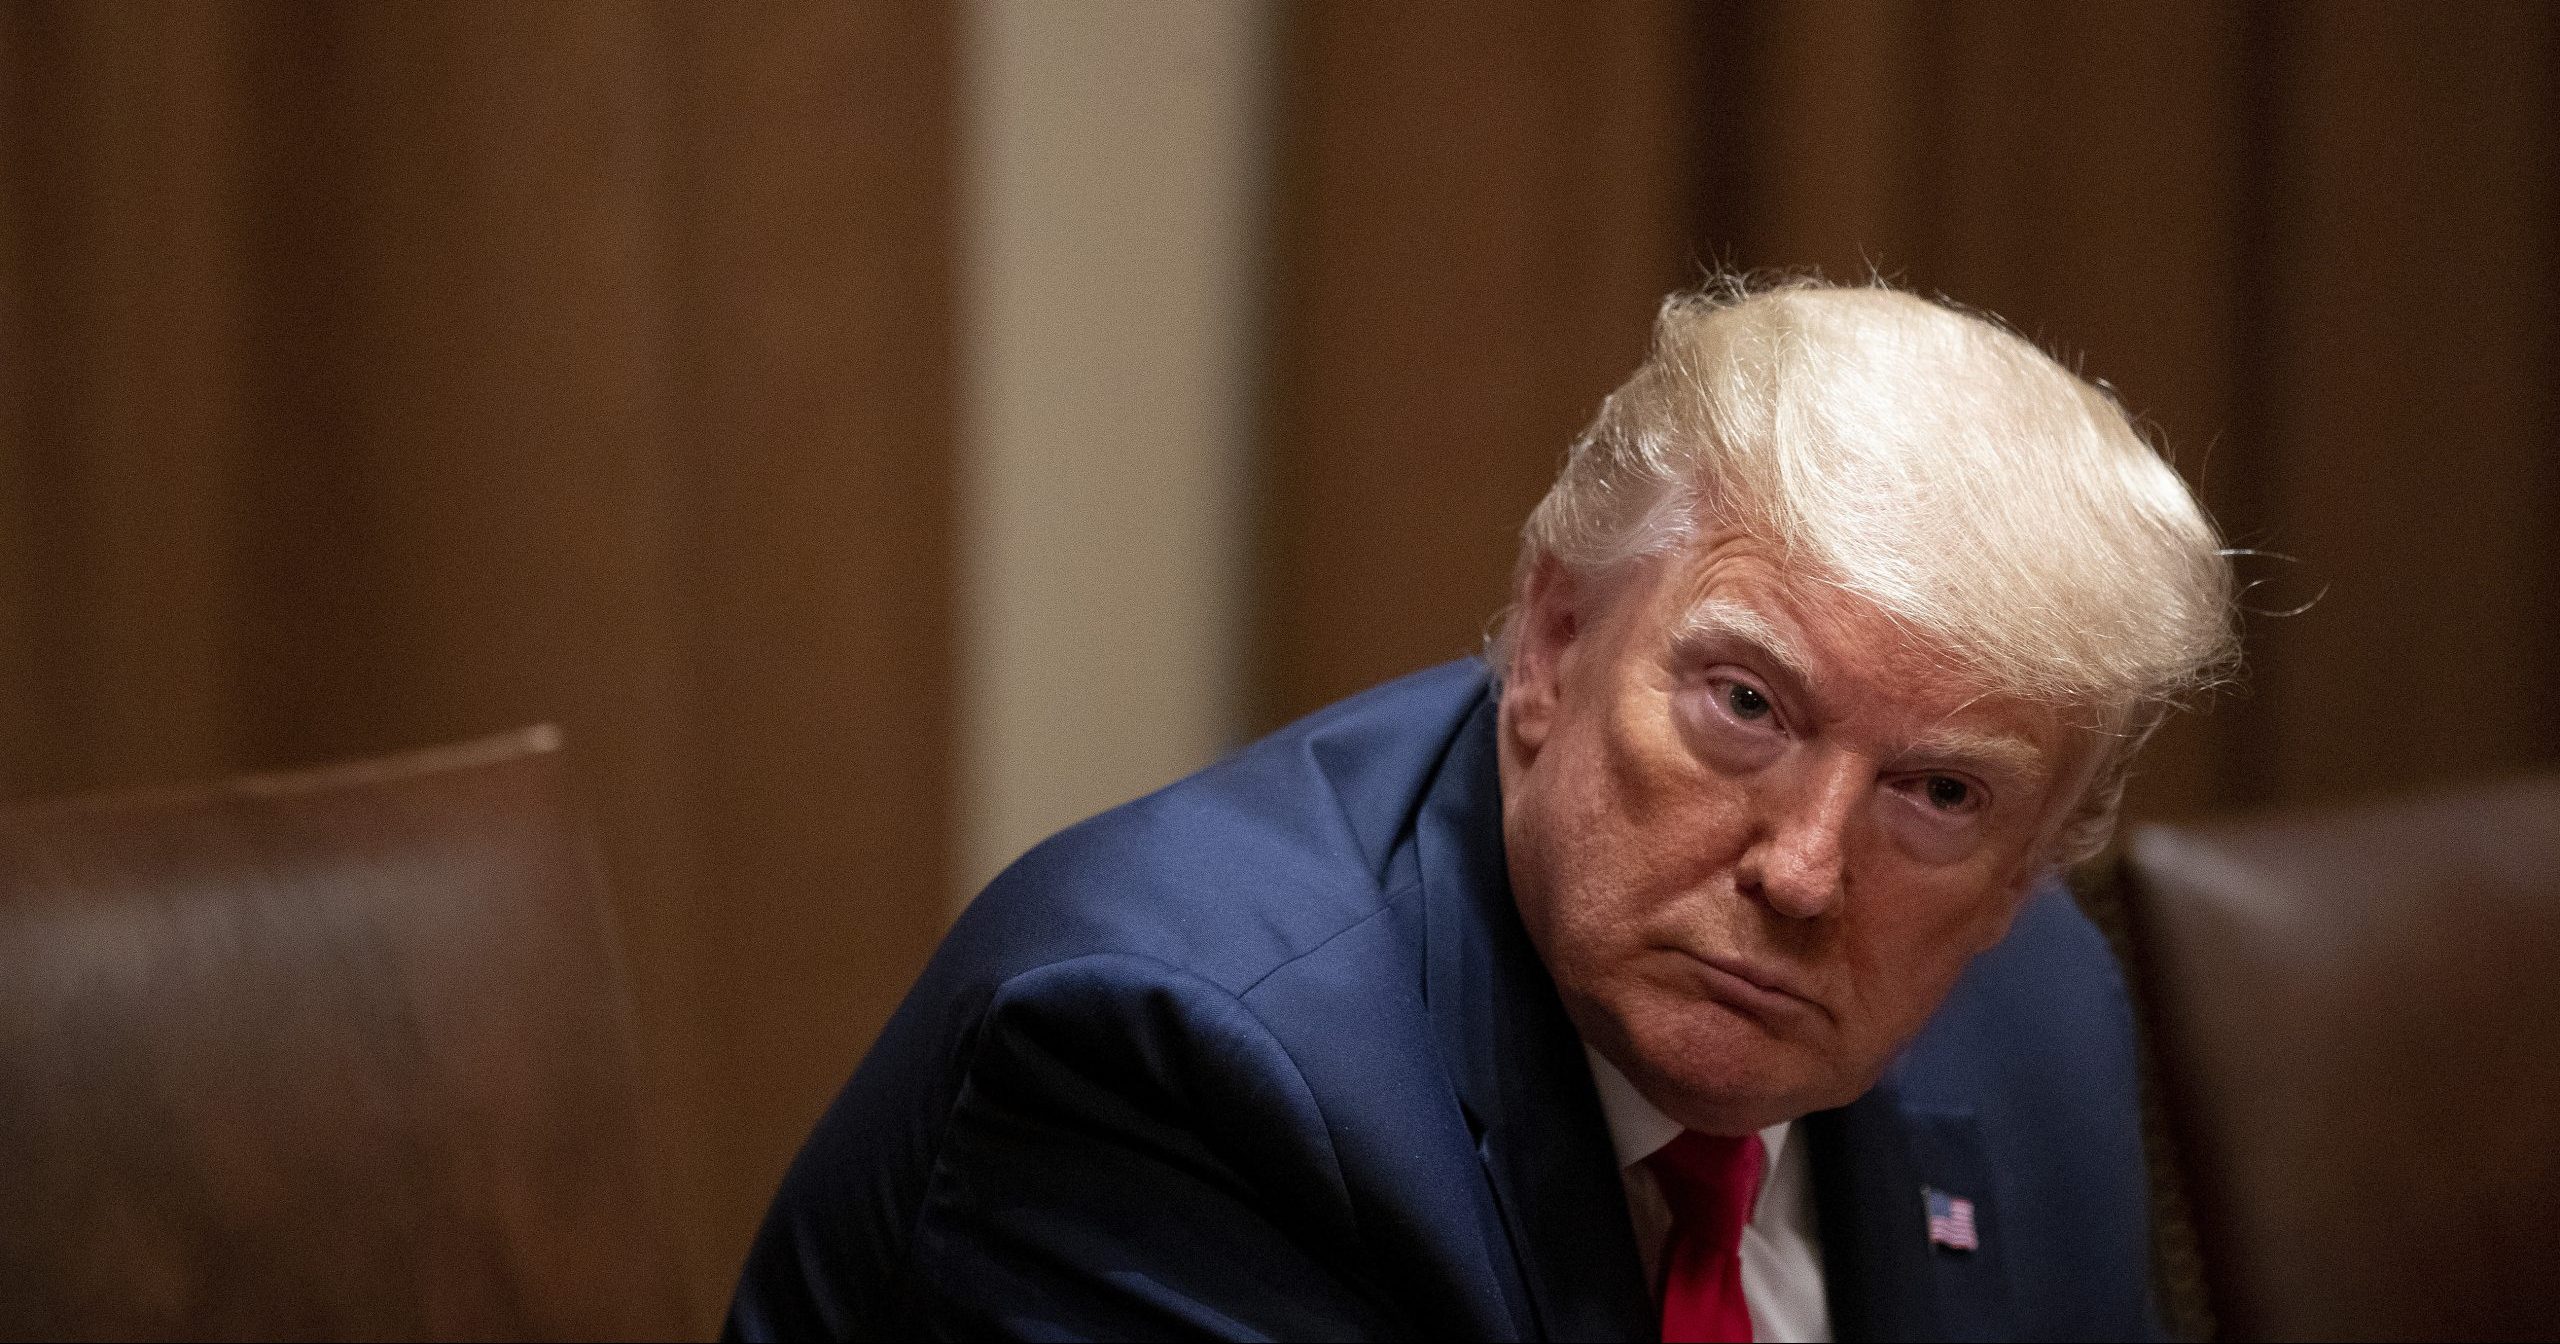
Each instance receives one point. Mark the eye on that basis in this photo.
(1947, 795)
(1736, 723)
(1939, 817)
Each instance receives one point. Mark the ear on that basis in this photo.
(1546, 625)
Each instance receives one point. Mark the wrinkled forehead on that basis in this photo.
(1843, 652)
(1736, 584)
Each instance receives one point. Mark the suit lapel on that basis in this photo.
(1518, 1067)
(1866, 1201)
(1873, 1162)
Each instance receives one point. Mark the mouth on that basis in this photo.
(1758, 992)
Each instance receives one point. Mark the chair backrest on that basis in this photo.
(2357, 1017)
(337, 1054)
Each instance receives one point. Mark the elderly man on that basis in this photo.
(1692, 965)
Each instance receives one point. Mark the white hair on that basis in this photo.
(1930, 462)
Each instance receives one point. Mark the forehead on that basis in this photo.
(1849, 659)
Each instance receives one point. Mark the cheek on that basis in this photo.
(1922, 838)
(1585, 860)
(1630, 850)
(1662, 805)
(1907, 949)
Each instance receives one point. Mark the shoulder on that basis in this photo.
(1102, 988)
(2043, 1016)
(1106, 1147)
(2044, 994)
(1236, 870)
(2037, 1044)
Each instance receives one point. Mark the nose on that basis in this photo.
(1796, 866)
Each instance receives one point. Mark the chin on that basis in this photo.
(1719, 1072)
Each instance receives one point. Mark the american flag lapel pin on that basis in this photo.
(1950, 1220)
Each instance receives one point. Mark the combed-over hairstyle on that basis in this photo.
(1930, 462)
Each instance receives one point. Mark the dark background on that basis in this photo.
(374, 375)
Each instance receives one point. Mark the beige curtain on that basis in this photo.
(376, 375)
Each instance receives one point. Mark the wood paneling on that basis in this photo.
(1480, 207)
(811, 251)
(381, 375)
(2411, 372)
(2312, 249)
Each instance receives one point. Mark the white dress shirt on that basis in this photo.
(1781, 1251)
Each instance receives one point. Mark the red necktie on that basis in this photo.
(1710, 1184)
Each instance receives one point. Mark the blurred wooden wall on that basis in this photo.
(1477, 208)
(2315, 246)
(373, 375)
(376, 375)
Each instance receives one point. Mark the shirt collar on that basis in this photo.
(1638, 1128)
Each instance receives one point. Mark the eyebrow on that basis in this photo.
(1996, 751)
(1724, 618)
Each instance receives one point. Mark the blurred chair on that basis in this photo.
(2356, 1016)
(338, 1054)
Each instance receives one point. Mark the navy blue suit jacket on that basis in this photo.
(1269, 1054)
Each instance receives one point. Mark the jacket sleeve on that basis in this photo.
(1133, 1156)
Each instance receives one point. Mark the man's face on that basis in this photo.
(1755, 831)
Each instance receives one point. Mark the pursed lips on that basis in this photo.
(1760, 991)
